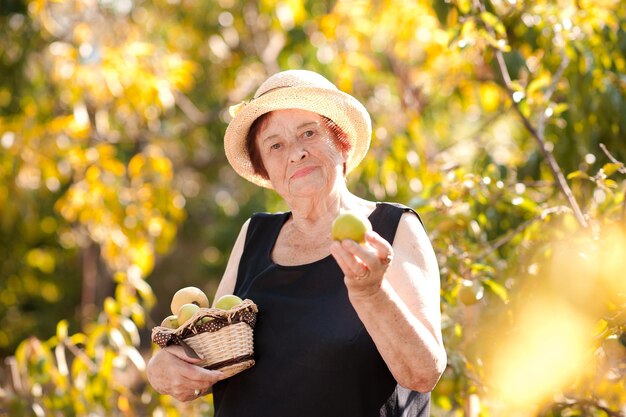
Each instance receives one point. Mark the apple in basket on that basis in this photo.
(228, 301)
(188, 295)
(185, 303)
(171, 322)
(186, 311)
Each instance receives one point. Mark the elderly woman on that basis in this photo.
(344, 329)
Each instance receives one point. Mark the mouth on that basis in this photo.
(302, 172)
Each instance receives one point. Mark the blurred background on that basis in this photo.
(503, 123)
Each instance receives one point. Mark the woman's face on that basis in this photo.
(299, 153)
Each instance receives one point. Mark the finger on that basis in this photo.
(189, 390)
(180, 353)
(364, 255)
(349, 264)
(192, 380)
(191, 372)
(384, 251)
(377, 242)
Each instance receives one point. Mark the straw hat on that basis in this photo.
(304, 90)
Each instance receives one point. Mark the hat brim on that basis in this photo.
(343, 109)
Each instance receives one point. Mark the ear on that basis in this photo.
(345, 153)
(344, 158)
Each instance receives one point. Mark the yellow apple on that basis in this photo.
(350, 225)
(470, 292)
(614, 350)
(171, 322)
(228, 301)
(188, 295)
(186, 311)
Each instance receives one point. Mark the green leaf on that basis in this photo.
(497, 289)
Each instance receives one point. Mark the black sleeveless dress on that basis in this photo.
(314, 357)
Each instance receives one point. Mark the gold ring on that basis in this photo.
(363, 275)
(386, 260)
(196, 392)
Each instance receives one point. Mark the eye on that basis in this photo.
(275, 146)
(308, 133)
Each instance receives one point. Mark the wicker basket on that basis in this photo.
(222, 339)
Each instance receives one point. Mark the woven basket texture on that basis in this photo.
(226, 344)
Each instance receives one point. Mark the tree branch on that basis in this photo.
(621, 170)
(548, 94)
(585, 404)
(503, 240)
(537, 133)
(190, 110)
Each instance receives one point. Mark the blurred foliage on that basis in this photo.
(115, 192)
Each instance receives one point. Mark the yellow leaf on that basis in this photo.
(560, 108)
(123, 404)
(163, 166)
(93, 174)
(110, 306)
(135, 165)
(490, 96)
(577, 174)
(611, 168)
(142, 255)
(62, 328)
(42, 260)
(538, 83)
(494, 22)
(465, 6)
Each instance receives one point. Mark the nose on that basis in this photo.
(298, 153)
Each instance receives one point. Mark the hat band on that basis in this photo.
(236, 108)
(270, 90)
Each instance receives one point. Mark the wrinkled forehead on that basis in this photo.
(287, 119)
(288, 115)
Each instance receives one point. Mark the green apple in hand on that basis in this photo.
(350, 225)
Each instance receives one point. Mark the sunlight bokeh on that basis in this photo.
(549, 347)
(555, 330)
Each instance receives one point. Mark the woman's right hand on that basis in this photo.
(170, 371)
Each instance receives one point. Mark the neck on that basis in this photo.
(315, 215)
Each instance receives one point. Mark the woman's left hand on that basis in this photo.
(364, 266)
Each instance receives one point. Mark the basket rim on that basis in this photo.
(223, 317)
